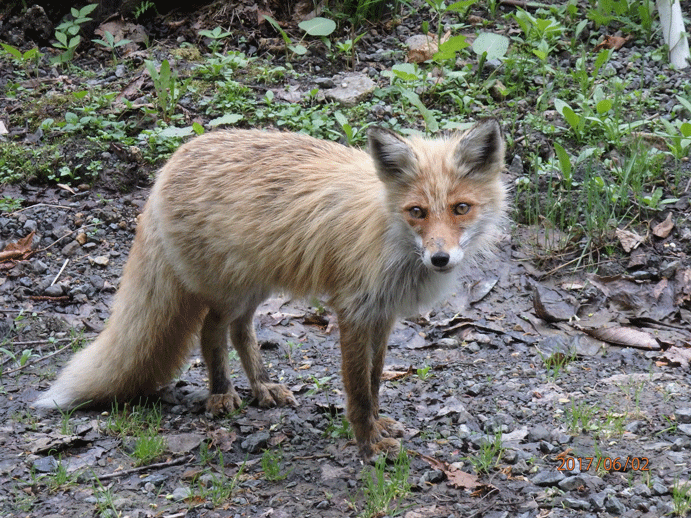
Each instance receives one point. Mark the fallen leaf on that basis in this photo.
(662, 230)
(629, 240)
(20, 249)
(625, 336)
(682, 291)
(678, 357)
(611, 42)
(456, 478)
(396, 375)
(549, 304)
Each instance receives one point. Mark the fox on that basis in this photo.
(235, 216)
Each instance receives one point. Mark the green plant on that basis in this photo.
(347, 48)
(23, 59)
(167, 87)
(339, 427)
(580, 418)
(272, 464)
(488, 455)
(489, 46)
(144, 7)
(439, 9)
(216, 36)
(634, 15)
(423, 372)
(219, 488)
(380, 491)
(681, 498)
(557, 362)
(105, 499)
(319, 384)
(317, 26)
(109, 43)
(67, 33)
(148, 446)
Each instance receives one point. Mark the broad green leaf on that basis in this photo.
(198, 128)
(228, 118)
(300, 50)
(686, 129)
(603, 106)
(11, 50)
(495, 45)
(564, 161)
(461, 6)
(318, 26)
(405, 71)
(448, 49)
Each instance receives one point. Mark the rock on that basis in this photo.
(256, 442)
(421, 47)
(46, 464)
(614, 506)
(30, 225)
(684, 428)
(181, 493)
(538, 433)
(575, 503)
(101, 260)
(571, 483)
(683, 415)
(81, 238)
(548, 478)
(56, 290)
(351, 90)
(70, 249)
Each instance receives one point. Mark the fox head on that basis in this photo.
(448, 192)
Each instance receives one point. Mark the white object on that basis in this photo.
(674, 32)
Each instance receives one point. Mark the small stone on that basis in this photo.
(548, 478)
(575, 503)
(56, 290)
(40, 267)
(181, 493)
(614, 506)
(30, 225)
(81, 238)
(571, 483)
(538, 433)
(70, 248)
(101, 260)
(683, 415)
(684, 428)
(354, 89)
(46, 464)
(256, 442)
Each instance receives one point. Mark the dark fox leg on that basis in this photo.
(362, 350)
(214, 340)
(245, 342)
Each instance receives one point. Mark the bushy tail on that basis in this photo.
(146, 340)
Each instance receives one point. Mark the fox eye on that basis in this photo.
(418, 213)
(461, 209)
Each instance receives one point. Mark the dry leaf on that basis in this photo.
(677, 356)
(625, 336)
(21, 249)
(629, 240)
(611, 42)
(662, 230)
(682, 292)
(396, 375)
(456, 478)
(549, 304)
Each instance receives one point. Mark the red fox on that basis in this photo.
(237, 215)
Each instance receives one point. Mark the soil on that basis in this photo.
(582, 374)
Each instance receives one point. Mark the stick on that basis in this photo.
(61, 270)
(159, 465)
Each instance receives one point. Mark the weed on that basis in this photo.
(23, 59)
(217, 35)
(218, 488)
(681, 498)
(556, 363)
(488, 455)
(108, 42)
(272, 464)
(105, 499)
(580, 418)
(317, 26)
(148, 446)
(67, 33)
(339, 427)
(380, 491)
(319, 384)
(424, 372)
(168, 89)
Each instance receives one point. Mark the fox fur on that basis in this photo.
(235, 216)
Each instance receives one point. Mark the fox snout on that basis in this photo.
(440, 257)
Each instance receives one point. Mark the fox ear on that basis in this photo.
(393, 157)
(481, 149)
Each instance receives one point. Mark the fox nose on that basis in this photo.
(440, 259)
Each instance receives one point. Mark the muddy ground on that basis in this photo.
(581, 375)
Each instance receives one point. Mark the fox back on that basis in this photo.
(255, 211)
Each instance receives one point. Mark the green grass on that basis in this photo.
(384, 486)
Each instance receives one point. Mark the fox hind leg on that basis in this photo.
(214, 339)
(385, 426)
(244, 340)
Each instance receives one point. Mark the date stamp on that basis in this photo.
(567, 463)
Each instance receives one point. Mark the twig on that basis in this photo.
(61, 270)
(159, 465)
(41, 205)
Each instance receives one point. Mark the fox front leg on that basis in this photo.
(362, 351)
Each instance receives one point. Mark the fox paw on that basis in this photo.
(219, 404)
(387, 447)
(387, 427)
(273, 394)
